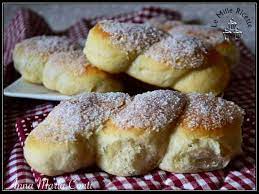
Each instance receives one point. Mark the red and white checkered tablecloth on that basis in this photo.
(22, 115)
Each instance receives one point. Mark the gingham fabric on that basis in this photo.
(22, 115)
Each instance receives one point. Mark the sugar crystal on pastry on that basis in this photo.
(31, 55)
(49, 44)
(82, 114)
(153, 110)
(74, 61)
(132, 36)
(210, 112)
(179, 51)
(210, 36)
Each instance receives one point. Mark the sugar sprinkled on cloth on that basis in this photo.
(80, 115)
(153, 110)
(210, 112)
(132, 36)
(179, 51)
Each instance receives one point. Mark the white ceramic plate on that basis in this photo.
(23, 89)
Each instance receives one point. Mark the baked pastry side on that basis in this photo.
(31, 55)
(182, 63)
(112, 46)
(71, 73)
(65, 141)
(208, 135)
(213, 38)
(135, 140)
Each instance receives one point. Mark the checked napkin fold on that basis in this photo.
(22, 115)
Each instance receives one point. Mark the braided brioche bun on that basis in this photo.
(128, 136)
(178, 60)
(71, 73)
(54, 158)
(31, 55)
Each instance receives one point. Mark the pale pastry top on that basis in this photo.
(163, 23)
(151, 110)
(47, 44)
(71, 61)
(179, 51)
(210, 112)
(132, 36)
(210, 36)
(80, 115)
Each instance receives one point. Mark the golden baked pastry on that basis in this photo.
(207, 135)
(112, 46)
(31, 55)
(66, 141)
(128, 136)
(182, 63)
(178, 60)
(213, 38)
(71, 73)
(135, 140)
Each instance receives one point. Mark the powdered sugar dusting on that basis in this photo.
(80, 115)
(210, 112)
(49, 44)
(179, 51)
(71, 61)
(163, 23)
(151, 110)
(210, 36)
(130, 36)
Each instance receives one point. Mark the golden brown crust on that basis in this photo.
(98, 29)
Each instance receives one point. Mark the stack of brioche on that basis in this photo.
(184, 131)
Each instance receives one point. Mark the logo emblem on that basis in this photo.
(232, 30)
